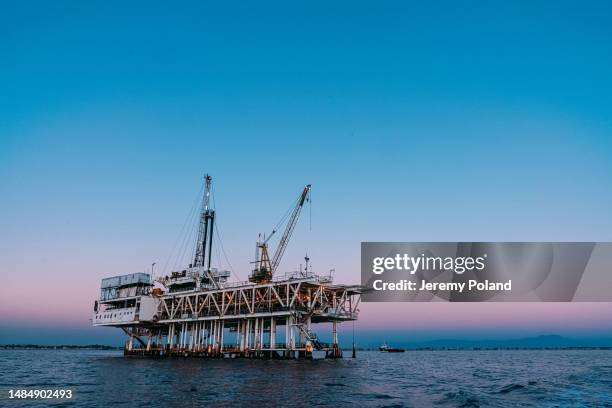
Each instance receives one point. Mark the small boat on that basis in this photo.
(386, 349)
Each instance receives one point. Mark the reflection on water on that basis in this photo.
(505, 378)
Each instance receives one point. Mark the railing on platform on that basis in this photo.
(287, 276)
(307, 275)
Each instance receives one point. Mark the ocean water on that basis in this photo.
(505, 378)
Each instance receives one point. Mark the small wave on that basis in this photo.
(383, 396)
(511, 387)
(480, 374)
(462, 398)
(334, 385)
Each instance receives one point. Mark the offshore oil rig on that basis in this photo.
(198, 312)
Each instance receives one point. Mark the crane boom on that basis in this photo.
(284, 241)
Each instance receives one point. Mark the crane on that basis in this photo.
(266, 267)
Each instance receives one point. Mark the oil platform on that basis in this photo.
(198, 312)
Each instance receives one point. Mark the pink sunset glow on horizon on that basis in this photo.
(63, 283)
(69, 306)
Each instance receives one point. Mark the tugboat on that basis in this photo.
(386, 349)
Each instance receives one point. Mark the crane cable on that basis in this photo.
(285, 217)
(180, 236)
(219, 239)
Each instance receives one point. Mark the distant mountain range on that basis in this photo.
(545, 341)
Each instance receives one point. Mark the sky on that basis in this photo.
(487, 121)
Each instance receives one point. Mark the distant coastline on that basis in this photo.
(494, 348)
(459, 348)
(57, 347)
(543, 342)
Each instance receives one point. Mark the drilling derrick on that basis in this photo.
(264, 267)
(202, 257)
(207, 217)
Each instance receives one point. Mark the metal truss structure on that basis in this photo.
(271, 320)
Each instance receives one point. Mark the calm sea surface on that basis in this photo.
(555, 378)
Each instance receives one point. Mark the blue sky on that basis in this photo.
(480, 121)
